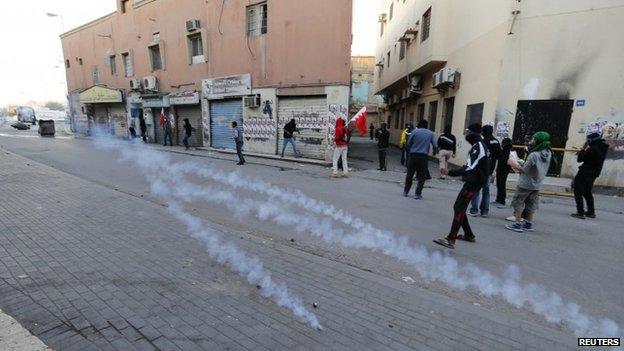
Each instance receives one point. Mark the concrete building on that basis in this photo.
(259, 63)
(521, 66)
(363, 88)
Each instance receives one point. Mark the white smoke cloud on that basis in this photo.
(530, 88)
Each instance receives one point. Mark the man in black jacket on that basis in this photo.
(502, 171)
(592, 155)
(383, 142)
(495, 150)
(448, 147)
(289, 137)
(475, 173)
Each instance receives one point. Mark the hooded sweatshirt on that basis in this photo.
(593, 158)
(535, 169)
(341, 136)
(477, 165)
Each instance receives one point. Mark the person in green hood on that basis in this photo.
(532, 174)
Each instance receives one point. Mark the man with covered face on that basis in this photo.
(475, 173)
(532, 173)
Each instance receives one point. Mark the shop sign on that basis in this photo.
(184, 98)
(100, 95)
(218, 88)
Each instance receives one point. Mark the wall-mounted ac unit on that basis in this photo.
(193, 25)
(382, 18)
(135, 83)
(445, 76)
(252, 101)
(150, 83)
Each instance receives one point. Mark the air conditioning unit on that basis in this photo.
(445, 76)
(435, 82)
(252, 101)
(192, 25)
(382, 18)
(150, 83)
(416, 85)
(135, 84)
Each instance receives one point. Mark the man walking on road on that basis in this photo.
(383, 142)
(502, 171)
(166, 126)
(494, 148)
(237, 135)
(592, 155)
(188, 131)
(341, 139)
(371, 131)
(289, 137)
(418, 146)
(143, 128)
(532, 174)
(448, 147)
(474, 174)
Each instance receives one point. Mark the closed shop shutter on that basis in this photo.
(310, 114)
(119, 120)
(193, 113)
(100, 118)
(222, 114)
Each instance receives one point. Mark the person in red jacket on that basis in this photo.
(341, 139)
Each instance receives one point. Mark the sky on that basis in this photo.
(31, 60)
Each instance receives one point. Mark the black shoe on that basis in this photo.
(444, 242)
(240, 163)
(470, 239)
(578, 215)
(590, 215)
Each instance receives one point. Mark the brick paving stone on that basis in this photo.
(123, 271)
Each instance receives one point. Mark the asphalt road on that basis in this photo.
(580, 260)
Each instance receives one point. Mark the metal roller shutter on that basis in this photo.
(310, 114)
(159, 133)
(193, 113)
(222, 114)
(119, 120)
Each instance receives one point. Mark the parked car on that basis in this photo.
(26, 114)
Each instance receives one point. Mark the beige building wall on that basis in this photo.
(557, 46)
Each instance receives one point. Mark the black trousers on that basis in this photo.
(382, 158)
(501, 186)
(583, 186)
(417, 164)
(460, 220)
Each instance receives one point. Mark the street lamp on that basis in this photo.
(50, 14)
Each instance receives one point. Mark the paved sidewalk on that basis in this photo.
(13, 337)
(85, 267)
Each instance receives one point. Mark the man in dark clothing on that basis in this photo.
(502, 171)
(383, 142)
(474, 174)
(494, 149)
(237, 135)
(592, 155)
(448, 147)
(289, 137)
(418, 145)
(188, 131)
(143, 128)
(371, 131)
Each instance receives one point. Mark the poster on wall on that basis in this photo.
(502, 129)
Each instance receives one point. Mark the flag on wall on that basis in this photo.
(360, 120)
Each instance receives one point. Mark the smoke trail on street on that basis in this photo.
(154, 165)
(430, 265)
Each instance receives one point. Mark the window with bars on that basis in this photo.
(426, 25)
(196, 48)
(127, 63)
(155, 58)
(112, 63)
(257, 19)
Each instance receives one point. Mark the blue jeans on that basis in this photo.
(239, 152)
(292, 142)
(485, 200)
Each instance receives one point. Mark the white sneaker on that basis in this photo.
(513, 219)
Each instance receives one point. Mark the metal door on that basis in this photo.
(193, 113)
(552, 116)
(310, 114)
(222, 114)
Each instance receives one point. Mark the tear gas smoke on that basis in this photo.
(430, 265)
(224, 252)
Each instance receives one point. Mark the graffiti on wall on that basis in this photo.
(612, 132)
(267, 108)
(309, 120)
(259, 128)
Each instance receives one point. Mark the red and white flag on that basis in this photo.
(163, 118)
(360, 119)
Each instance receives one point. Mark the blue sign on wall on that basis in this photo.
(580, 103)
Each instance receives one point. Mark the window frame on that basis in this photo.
(151, 50)
(126, 58)
(470, 114)
(391, 12)
(112, 64)
(95, 75)
(201, 54)
(257, 23)
(402, 50)
(426, 25)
